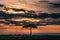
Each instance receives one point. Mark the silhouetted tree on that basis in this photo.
(31, 26)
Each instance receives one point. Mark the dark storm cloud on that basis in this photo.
(55, 3)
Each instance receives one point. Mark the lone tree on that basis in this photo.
(30, 26)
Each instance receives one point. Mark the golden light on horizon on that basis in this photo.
(27, 19)
(9, 29)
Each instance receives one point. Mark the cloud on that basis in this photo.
(54, 1)
(32, 5)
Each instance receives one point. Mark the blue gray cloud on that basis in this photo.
(52, 1)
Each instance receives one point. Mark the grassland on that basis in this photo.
(26, 37)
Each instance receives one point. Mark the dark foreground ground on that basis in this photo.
(26, 37)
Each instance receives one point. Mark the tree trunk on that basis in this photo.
(30, 31)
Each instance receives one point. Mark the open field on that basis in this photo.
(25, 37)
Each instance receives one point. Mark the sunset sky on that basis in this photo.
(32, 5)
(35, 5)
